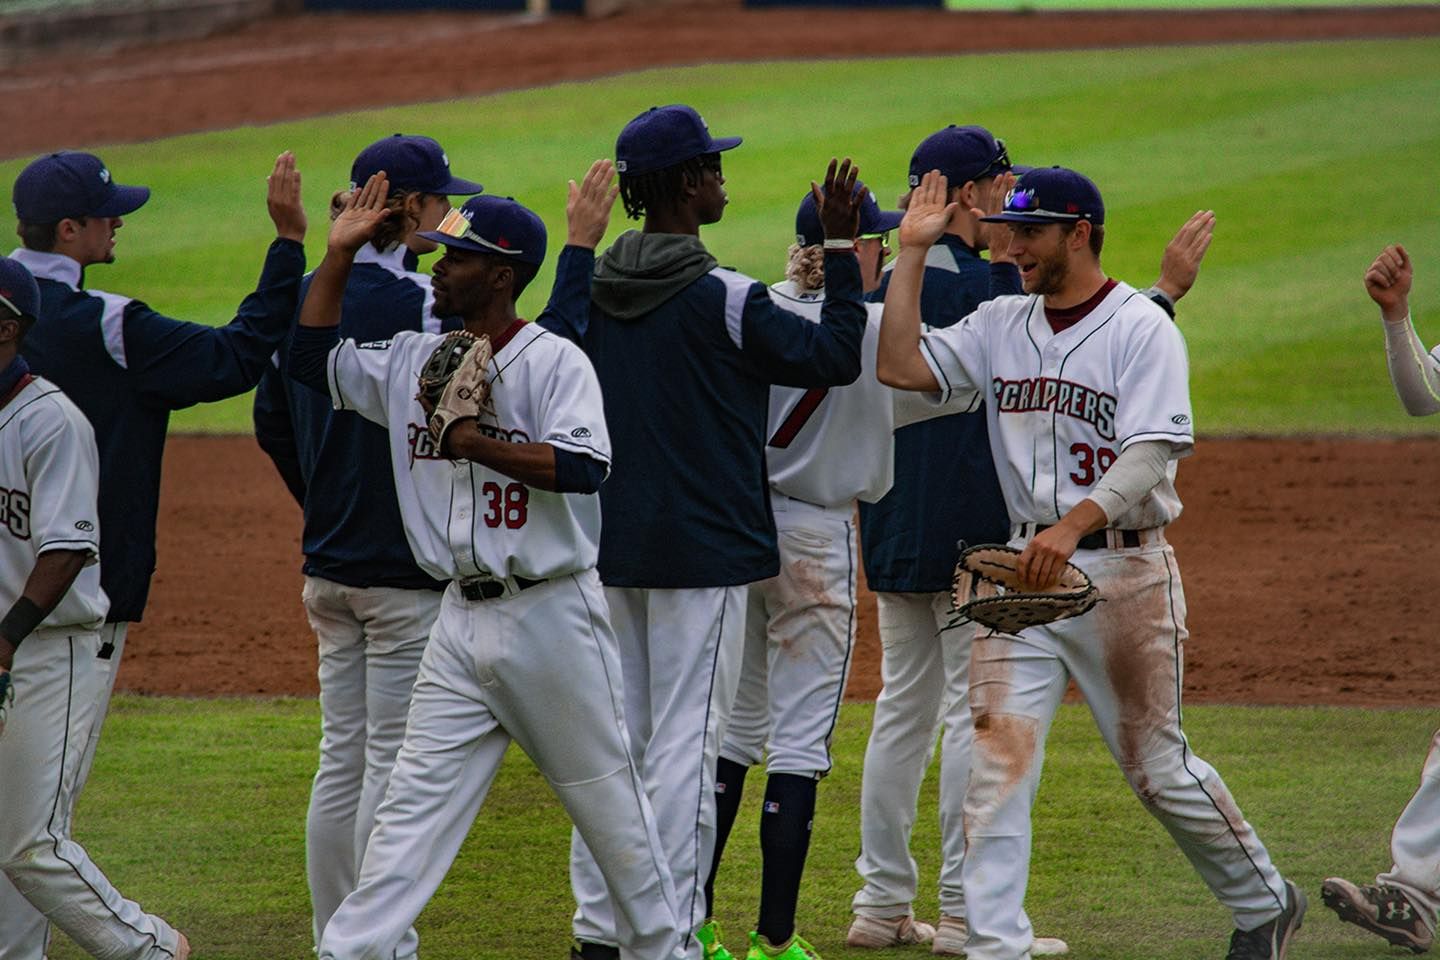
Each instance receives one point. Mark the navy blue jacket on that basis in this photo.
(685, 355)
(945, 487)
(337, 463)
(126, 367)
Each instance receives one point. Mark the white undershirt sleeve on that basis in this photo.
(1133, 474)
(1415, 373)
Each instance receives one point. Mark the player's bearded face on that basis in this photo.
(461, 282)
(1041, 255)
(95, 242)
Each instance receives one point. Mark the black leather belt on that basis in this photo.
(473, 590)
(1100, 539)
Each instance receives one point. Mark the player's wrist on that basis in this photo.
(23, 617)
(1396, 315)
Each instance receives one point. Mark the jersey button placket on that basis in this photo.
(461, 535)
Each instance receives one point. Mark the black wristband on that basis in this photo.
(23, 617)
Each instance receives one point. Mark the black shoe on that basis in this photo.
(1269, 941)
(585, 950)
(1379, 909)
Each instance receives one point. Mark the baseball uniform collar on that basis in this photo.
(1040, 326)
(394, 257)
(50, 266)
(506, 335)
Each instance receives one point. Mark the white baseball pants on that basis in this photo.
(370, 642)
(925, 674)
(1415, 842)
(799, 630)
(680, 651)
(60, 685)
(539, 667)
(1126, 658)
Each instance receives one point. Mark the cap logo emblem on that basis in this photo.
(621, 165)
(445, 159)
(104, 175)
(1021, 200)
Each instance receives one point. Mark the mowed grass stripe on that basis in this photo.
(1312, 157)
(196, 808)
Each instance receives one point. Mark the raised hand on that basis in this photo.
(840, 200)
(1180, 264)
(928, 214)
(995, 237)
(361, 216)
(282, 199)
(587, 211)
(1388, 282)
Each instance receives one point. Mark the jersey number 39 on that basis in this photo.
(1091, 463)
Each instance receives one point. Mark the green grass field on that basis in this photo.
(1313, 156)
(197, 809)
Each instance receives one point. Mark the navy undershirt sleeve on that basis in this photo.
(309, 348)
(577, 473)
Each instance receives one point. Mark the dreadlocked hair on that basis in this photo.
(806, 268)
(643, 192)
(393, 229)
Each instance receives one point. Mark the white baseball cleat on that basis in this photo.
(952, 932)
(879, 932)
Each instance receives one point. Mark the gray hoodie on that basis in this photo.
(643, 270)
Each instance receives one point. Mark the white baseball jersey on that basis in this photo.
(463, 519)
(49, 482)
(834, 445)
(1062, 406)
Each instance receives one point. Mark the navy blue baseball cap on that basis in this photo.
(962, 154)
(494, 225)
(71, 184)
(18, 289)
(412, 165)
(1052, 195)
(809, 231)
(664, 136)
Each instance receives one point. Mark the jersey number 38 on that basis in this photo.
(507, 505)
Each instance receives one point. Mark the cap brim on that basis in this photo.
(460, 187)
(124, 200)
(1028, 218)
(889, 220)
(465, 243)
(460, 243)
(719, 144)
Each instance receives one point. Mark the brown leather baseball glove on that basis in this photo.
(986, 589)
(453, 383)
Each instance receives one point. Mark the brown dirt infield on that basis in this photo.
(1309, 563)
(1309, 570)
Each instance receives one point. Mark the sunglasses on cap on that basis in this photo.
(457, 225)
(5, 302)
(1000, 164)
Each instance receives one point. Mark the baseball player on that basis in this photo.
(685, 352)
(126, 367)
(503, 505)
(909, 539)
(1401, 905)
(49, 645)
(370, 605)
(908, 542)
(826, 447)
(1088, 411)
